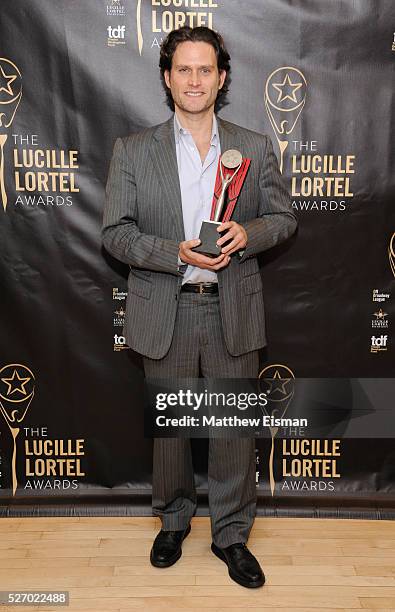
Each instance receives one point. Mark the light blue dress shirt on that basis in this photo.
(197, 182)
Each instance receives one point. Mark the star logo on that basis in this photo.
(10, 91)
(288, 86)
(6, 80)
(16, 383)
(285, 98)
(277, 384)
(380, 314)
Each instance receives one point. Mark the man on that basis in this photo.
(186, 310)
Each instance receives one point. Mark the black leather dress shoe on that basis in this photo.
(242, 565)
(166, 549)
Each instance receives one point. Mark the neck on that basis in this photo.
(199, 125)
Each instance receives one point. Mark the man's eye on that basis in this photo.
(183, 70)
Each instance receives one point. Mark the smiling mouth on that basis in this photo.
(194, 94)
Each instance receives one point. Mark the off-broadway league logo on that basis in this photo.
(10, 98)
(16, 393)
(379, 296)
(391, 253)
(393, 43)
(278, 382)
(285, 97)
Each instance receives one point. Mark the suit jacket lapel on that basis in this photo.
(164, 157)
(228, 136)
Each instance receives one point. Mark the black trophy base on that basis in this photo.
(208, 239)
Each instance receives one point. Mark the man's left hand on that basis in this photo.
(236, 233)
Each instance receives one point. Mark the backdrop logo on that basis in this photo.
(10, 97)
(167, 15)
(379, 296)
(119, 317)
(305, 460)
(325, 179)
(41, 175)
(278, 382)
(116, 35)
(119, 310)
(391, 253)
(115, 9)
(379, 343)
(381, 320)
(16, 393)
(285, 97)
(44, 457)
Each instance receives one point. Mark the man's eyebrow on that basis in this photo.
(187, 66)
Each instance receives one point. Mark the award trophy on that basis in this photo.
(232, 170)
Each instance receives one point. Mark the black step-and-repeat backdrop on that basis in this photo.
(318, 78)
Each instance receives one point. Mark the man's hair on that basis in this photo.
(199, 34)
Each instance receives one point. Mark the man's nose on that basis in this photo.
(194, 78)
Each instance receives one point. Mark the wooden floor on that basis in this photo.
(310, 565)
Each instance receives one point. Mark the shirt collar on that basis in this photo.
(179, 130)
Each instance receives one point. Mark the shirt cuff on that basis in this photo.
(182, 266)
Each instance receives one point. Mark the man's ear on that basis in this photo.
(166, 74)
(222, 77)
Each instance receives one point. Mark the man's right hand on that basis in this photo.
(201, 261)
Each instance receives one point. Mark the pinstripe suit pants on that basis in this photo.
(198, 341)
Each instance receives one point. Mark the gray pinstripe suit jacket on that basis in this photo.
(143, 227)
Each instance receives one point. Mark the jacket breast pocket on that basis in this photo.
(139, 285)
(252, 283)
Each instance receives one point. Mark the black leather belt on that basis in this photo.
(200, 288)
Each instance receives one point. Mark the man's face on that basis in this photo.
(194, 79)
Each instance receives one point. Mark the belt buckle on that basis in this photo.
(201, 288)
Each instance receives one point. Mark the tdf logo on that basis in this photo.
(116, 32)
(379, 343)
(119, 342)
